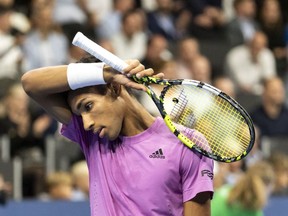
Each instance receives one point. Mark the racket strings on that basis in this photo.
(223, 126)
(180, 113)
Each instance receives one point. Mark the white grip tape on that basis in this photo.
(99, 52)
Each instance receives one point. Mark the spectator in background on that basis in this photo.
(162, 20)
(186, 52)
(27, 129)
(100, 9)
(242, 27)
(157, 53)
(249, 64)
(201, 70)
(10, 51)
(283, 7)
(208, 20)
(44, 44)
(248, 196)
(5, 83)
(225, 84)
(130, 42)
(279, 161)
(111, 23)
(59, 186)
(80, 179)
(73, 16)
(271, 23)
(272, 115)
(20, 23)
(228, 173)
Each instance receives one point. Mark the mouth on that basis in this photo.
(100, 132)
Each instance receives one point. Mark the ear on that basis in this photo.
(115, 89)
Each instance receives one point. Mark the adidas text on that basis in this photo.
(157, 156)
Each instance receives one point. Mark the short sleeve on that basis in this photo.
(197, 174)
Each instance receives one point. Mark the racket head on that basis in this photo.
(205, 119)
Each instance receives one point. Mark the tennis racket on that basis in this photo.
(221, 129)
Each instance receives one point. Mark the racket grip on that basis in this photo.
(81, 41)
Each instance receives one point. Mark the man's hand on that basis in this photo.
(134, 68)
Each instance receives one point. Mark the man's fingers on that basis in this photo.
(146, 72)
(136, 86)
(131, 65)
(159, 75)
(136, 68)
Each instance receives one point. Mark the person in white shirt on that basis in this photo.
(10, 52)
(131, 41)
(250, 64)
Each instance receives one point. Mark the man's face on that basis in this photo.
(247, 8)
(101, 113)
(275, 92)
(5, 21)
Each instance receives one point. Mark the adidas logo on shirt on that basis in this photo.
(157, 154)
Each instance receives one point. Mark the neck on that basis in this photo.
(137, 118)
(272, 110)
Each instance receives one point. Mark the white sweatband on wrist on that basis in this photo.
(80, 75)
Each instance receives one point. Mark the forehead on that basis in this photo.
(79, 94)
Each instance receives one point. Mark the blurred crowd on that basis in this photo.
(239, 46)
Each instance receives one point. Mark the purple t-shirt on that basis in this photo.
(151, 173)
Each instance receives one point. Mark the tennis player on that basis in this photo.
(136, 165)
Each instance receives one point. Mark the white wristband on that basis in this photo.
(80, 75)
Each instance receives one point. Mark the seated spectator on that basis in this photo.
(5, 84)
(242, 27)
(201, 70)
(162, 20)
(279, 161)
(59, 186)
(73, 16)
(249, 64)
(157, 52)
(225, 84)
(27, 127)
(187, 50)
(10, 51)
(228, 173)
(19, 21)
(99, 10)
(248, 196)
(208, 20)
(80, 179)
(272, 115)
(110, 24)
(271, 23)
(130, 42)
(44, 44)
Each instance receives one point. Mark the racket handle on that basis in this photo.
(81, 41)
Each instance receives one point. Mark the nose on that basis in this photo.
(88, 122)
